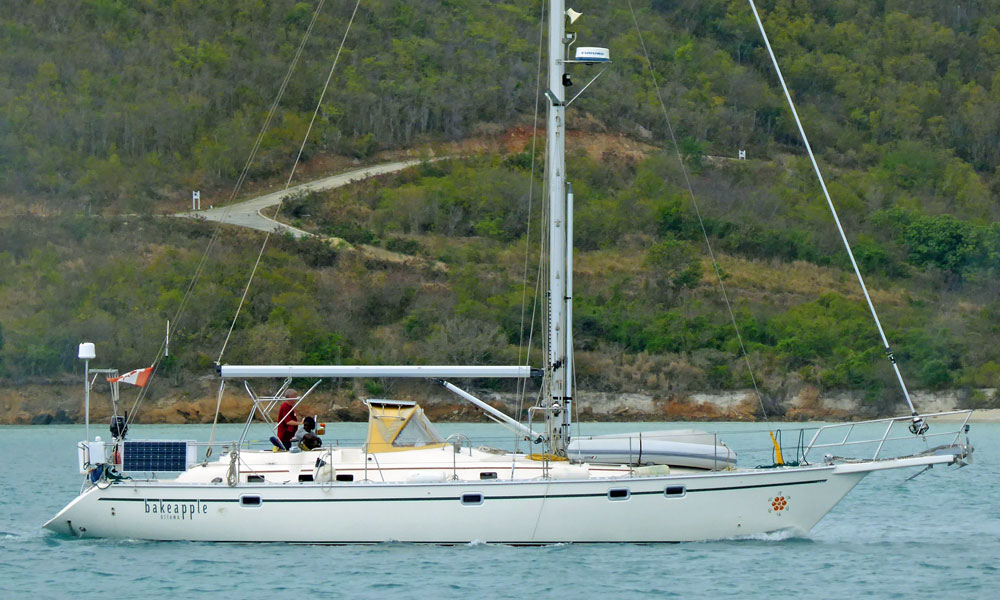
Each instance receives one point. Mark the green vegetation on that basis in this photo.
(645, 290)
(118, 103)
(110, 108)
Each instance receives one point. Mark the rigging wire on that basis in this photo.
(217, 231)
(697, 210)
(288, 182)
(918, 426)
(522, 384)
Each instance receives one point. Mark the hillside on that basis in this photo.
(115, 110)
(112, 104)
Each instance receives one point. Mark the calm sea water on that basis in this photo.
(935, 536)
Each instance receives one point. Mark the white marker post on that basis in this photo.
(86, 353)
(196, 200)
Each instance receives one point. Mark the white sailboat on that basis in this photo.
(408, 483)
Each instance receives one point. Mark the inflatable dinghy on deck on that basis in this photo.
(676, 448)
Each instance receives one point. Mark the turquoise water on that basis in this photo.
(935, 536)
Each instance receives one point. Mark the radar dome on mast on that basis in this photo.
(590, 55)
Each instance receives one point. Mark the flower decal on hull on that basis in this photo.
(779, 504)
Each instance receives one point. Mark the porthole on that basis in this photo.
(472, 499)
(674, 491)
(250, 501)
(619, 494)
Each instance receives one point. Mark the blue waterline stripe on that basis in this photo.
(440, 543)
(453, 498)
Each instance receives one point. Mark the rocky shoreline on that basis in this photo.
(41, 404)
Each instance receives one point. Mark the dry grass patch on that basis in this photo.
(770, 281)
(600, 262)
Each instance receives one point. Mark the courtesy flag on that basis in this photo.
(138, 377)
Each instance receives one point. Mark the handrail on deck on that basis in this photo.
(889, 422)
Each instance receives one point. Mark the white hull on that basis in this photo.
(443, 494)
(712, 506)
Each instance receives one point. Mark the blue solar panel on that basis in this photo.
(155, 456)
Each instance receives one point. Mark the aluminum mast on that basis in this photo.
(560, 385)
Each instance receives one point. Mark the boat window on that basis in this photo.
(345, 477)
(418, 431)
(255, 479)
(474, 498)
(619, 494)
(250, 501)
(305, 477)
(488, 475)
(674, 491)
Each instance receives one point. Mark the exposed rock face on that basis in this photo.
(63, 403)
(60, 418)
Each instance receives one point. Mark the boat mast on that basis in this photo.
(558, 355)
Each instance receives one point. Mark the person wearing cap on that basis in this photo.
(288, 422)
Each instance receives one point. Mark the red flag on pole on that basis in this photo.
(138, 377)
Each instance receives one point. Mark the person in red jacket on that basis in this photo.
(288, 422)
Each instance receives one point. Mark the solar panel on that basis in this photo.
(155, 456)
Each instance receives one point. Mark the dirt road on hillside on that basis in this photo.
(252, 214)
